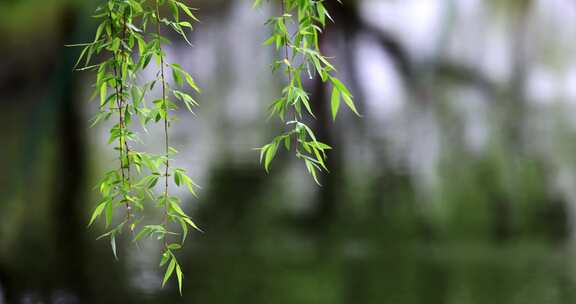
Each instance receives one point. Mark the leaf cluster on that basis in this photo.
(127, 39)
(296, 34)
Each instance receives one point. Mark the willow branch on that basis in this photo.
(166, 134)
(124, 107)
(119, 103)
(287, 44)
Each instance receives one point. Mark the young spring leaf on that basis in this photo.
(192, 224)
(179, 275)
(97, 212)
(109, 211)
(335, 102)
(169, 271)
(350, 103)
(270, 153)
(113, 245)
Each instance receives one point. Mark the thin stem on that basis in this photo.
(124, 107)
(119, 103)
(166, 134)
(287, 44)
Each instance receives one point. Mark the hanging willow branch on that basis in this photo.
(127, 47)
(301, 55)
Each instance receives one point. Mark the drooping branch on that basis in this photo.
(165, 108)
(122, 35)
(302, 55)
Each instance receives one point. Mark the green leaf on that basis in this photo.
(192, 83)
(152, 182)
(341, 87)
(175, 12)
(287, 142)
(187, 11)
(169, 271)
(177, 178)
(185, 24)
(263, 152)
(335, 102)
(165, 258)
(321, 146)
(192, 224)
(179, 275)
(178, 209)
(190, 184)
(109, 211)
(99, 31)
(113, 245)
(97, 212)
(103, 93)
(270, 153)
(81, 55)
(174, 246)
(142, 233)
(312, 170)
(308, 131)
(320, 158)
(350, 103)
(177, 77)
(184, 227)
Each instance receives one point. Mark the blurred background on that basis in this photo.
(458, 184)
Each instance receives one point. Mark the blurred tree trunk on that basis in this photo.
(69, 182)
(328, 200)
(53, 127)
(514, 111)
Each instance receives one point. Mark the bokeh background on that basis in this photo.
(457, 186)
